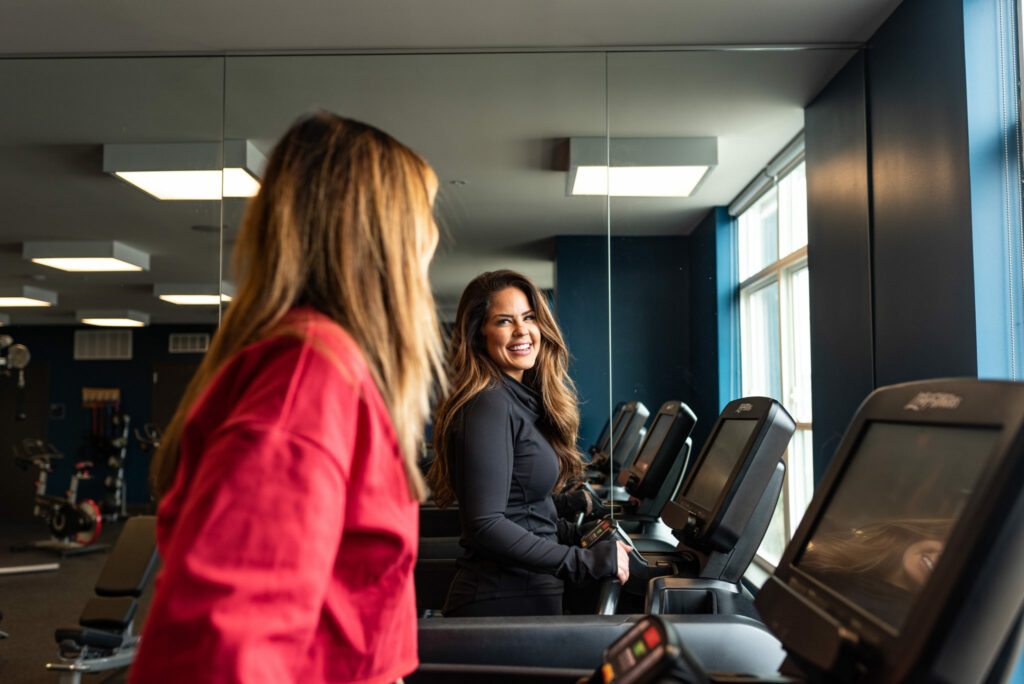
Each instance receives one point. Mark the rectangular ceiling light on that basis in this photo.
(26, 295)
(114, 319)
(639, 167)
(188, 171)
(194, 294)
(86, 256)
(638, 181)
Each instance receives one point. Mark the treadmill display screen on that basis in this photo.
(652, 444)
(713, 472)
(883, 531)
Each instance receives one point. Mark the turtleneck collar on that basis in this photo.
(530, 399)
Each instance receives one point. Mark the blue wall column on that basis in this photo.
(581, 296)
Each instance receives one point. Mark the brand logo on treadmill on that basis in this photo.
(743, 408)
(933, 400)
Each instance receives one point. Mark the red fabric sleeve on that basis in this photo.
(250, 560)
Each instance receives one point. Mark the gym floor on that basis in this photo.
(34, 605)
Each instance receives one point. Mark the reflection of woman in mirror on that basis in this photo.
(287, 479)
(505, 438)
(879, 564)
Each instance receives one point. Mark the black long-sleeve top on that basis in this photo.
(503, 471)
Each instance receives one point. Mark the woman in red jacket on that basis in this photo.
(288, 486)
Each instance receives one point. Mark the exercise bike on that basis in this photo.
(74, 525)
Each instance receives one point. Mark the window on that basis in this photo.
(775, 334)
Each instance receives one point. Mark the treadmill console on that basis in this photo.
(662, 445)
(719, 496)
(909, 563)
(619, 443)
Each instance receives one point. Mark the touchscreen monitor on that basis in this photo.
(884, 528)
(712, 476)
(652, 444)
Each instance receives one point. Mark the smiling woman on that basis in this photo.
(505, 439)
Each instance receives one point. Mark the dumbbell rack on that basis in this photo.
(120, 489)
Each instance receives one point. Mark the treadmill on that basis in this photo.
(925, 489)
(576, 641)
(651, 477)
(718, 516)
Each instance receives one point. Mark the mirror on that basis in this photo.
(495, 127)
(675, 309)
(81, 380)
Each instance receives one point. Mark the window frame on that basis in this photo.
(796, 493)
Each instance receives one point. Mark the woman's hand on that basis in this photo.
(623, 561)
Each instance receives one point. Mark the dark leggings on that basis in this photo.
(516, 605)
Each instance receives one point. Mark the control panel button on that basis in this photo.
(652, 637)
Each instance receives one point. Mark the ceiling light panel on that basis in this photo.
(114, 318)
(188, 171)
(86, 256)
(639, 167)
(26, 295)
(194, 294)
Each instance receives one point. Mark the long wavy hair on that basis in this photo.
(343, 223)
(873, 552)
(471, 370)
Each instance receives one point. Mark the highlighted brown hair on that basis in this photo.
(343, 223)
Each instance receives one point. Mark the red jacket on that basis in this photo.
(289, 535)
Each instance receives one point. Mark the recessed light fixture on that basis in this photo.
(194, 294)
(188, 171)
(108, 318)
(639, 167)
(26, 295)
(86, 256)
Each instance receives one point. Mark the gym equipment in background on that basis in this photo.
(619, 444)
(74, 525)
(149, 438)
(16, 358)
(108, 444)
(104, 640)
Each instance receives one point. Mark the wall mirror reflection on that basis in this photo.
(709, 268)
(496, 129)
(102, 264)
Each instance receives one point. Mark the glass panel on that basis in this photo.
(793, 210)
(762, 375)
(87, 386)
(669, 254)
(758, 235)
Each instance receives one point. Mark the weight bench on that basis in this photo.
(105, 640)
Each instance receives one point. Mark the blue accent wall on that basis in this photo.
(651, 321)
(714, 320)
(581, 299)
(673, 321)
(651, 328)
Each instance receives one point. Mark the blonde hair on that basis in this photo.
(471, 371)
(343, 223)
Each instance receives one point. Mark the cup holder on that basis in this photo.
(689, 602)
